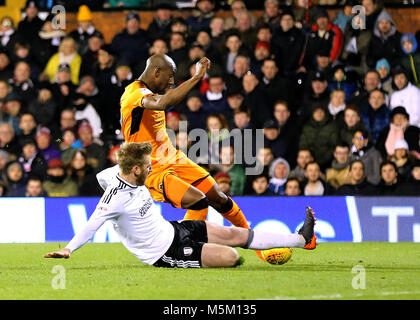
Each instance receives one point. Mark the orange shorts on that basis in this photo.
(170, 184)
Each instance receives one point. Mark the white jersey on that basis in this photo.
(131, 210)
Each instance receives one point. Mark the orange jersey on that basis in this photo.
(144, 125)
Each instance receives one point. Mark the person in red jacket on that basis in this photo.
(324, 36)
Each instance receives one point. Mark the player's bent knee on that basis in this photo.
(214, 256)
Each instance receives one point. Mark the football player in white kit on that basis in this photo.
(128, 204)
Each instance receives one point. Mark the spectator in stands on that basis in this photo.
(70, 142)
(182, 141)
(160, 27)
(289, 132)
(67, 121)
(215, 101)
(95, 152)
(224, 182)
(402, 158)
(317, 94)
(274, 84)
(350, 124)
(385, 41)
(373, 9)
(235, 171)
(32, 160)
(86, 111)
(273, 140)
(255, 100)
(84, 175)
(241, 65)
(410, 60)
(172, 120)
(67, 54)
(338, 173)
(406, 95)
(313, 184)
(261, 52)
(6, 68)
(236, 7)
(260, 186)
(112, 156)
(324, 35)
(44, 144)
(44, 108)
(242, 119)
(320, 135)
(31, 24)
(384, 70)
(399, 128)
(287, 44)
(372, 80)
(15, 179)
(8, 139)
(375, 114)
(85, 29)
(217, 35)
(13, 105)
(245, 28)
(304, 156)
(363, 150)
(200, 19)
(271, 14)
(344, 17)
(63, 88)
(412, 187)
(132, 42)
(34, 187)
(292, 188)
(178, 50)
(23, 53)
(337, 104)
(58, 183)
(234, 48)
(358, 185)
(195, 114)
(47, 41)
(8, 35)
(3, 189)
(90, 57)
(217, 130)
(180, 25)
(124, 3)
(27, 126)
(340, 81)
(4, 159)
(279, 171)
(21, 83)
(391, 182)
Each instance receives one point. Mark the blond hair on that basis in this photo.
(132, 154)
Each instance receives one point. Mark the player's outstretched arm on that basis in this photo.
(175, 96)
(63, 253)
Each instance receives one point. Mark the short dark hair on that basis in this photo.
(342, 145)
(357, 161)
(388, 162)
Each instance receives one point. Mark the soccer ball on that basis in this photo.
(276, 255)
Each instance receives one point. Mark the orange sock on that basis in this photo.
(235, 216)
(197, 214)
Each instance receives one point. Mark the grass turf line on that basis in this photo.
(109, 271)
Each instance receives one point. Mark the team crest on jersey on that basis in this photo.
(145, 91)
(188, 251)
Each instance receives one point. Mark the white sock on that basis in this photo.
(260, 240)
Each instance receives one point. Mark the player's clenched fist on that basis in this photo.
(201, 67)
(63, 253)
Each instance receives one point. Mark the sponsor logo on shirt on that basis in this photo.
(143, 210)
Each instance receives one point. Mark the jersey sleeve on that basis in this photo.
(105, 176)
(106, 209)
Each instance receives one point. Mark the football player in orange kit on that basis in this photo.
(174, 178)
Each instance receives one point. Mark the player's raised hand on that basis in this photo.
(63, 253)
(201, 67)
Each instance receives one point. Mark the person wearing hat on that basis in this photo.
(45, 145)
(97, 155)
(15, 179)
(384, 70)
(58, 183)
(406, 94)
(13, 104)
(399, 128)
(29, 27)
(224, 181)
(340, 81)
(385, 41)
(324, 35)
(194, 112)
(273, 140)
(320, 135)
(90, 57)
(44, 107)
(160, 27)
(131, 43)
(317, 93)
(410, 60)
(85, 29)
(402, 158)
(47, 41)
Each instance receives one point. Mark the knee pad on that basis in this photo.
(199, 205)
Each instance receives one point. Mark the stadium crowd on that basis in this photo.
(339, 106)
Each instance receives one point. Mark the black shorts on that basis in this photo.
(185, 250)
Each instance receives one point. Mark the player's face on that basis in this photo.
(143, 171)
(165, 79)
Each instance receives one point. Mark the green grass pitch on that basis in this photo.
(109, 271)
